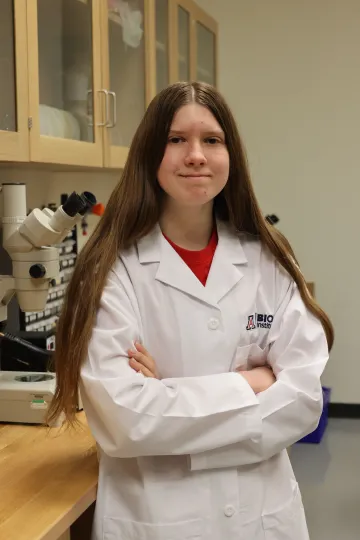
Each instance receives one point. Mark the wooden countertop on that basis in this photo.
(48, 478)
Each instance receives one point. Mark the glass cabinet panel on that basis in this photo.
(66, 69)
(127, 69)
(162, 44)
(205, 66)
(184, 44)
(8, 112)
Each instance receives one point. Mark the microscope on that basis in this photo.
(31, 242)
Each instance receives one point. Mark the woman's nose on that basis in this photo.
(195, 156)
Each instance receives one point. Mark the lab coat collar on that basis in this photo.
(224, 272)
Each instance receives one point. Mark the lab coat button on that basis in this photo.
(229, 511)
(213, 324)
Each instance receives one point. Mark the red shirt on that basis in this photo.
(198, 261)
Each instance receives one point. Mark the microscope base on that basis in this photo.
(25, 397)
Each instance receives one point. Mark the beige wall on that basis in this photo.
(290, 71)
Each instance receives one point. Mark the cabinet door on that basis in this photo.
(193, 45)
(181, 45)
(162, 44)
(14, 137)
(126, 72)
(205, 49)
(66, 100)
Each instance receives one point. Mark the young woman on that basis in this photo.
(193, 338)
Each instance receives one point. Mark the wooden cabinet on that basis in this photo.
(194, 44)
(79, 74)
(205, 49)
(66, 100)
(128, 72)
(14, 139)
(162, 44)
(186, 43)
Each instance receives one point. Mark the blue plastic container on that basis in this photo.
(316, 436)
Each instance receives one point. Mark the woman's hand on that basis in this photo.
(142, 362)
(259, 378)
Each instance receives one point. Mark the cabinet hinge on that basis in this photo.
(30, 122)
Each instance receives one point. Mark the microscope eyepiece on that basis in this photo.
(78, 204)
(74, 204)
(89, 201)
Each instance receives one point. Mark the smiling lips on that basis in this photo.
(195, 175)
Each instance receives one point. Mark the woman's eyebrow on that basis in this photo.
(217, 132)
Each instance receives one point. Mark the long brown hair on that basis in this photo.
(132, 212)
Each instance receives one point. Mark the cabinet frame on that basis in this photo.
(174, 6)
(115, 156)
(14, 145)
(200, 16)
(196, 15)
(46, 149)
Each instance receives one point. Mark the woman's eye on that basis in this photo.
(175, 140)
(212, 140)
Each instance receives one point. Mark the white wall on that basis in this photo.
(291, 73)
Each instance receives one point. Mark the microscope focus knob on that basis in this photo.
(37, 271)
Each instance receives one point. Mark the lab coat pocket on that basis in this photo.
(289, 522)
(248, 357)
(119, 529)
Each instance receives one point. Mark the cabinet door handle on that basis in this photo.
(107, 118)
(90, 108)
(114, 110)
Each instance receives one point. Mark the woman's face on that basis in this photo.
(195, 166)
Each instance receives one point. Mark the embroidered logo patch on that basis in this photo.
(259, 320)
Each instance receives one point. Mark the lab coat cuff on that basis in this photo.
(230, 455)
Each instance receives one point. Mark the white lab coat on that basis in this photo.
(197, 455)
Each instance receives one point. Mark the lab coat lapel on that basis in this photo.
(225, 271)
(173, 271)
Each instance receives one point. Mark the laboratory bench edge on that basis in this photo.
(48, 482)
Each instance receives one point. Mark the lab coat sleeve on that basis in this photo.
(290, 408)
(131, 415)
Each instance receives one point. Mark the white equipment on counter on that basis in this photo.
(25, 396)
(31, 243)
